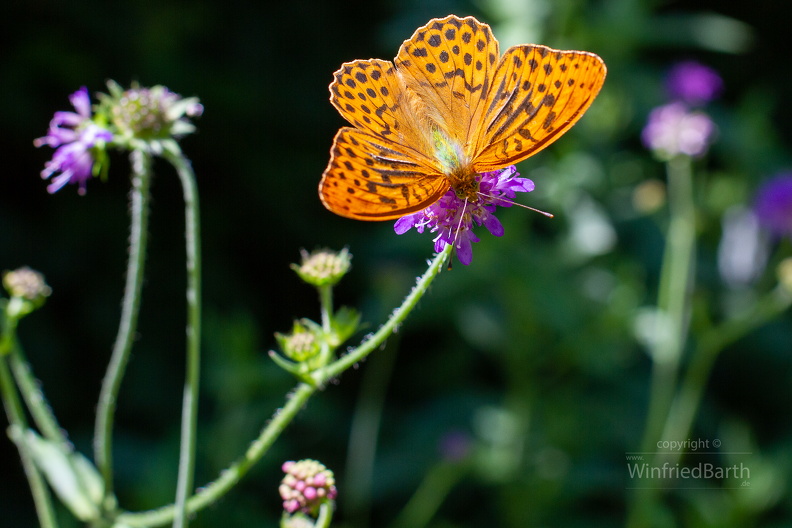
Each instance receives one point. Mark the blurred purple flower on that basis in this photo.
(674, 129)
(693, 83)
(773, 205)
(453, 217)
(74, 136)
(455, 446)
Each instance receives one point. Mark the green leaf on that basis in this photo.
(72, 476)
(345, 322)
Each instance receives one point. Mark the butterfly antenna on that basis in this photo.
(512, 202)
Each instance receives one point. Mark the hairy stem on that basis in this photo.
(16, 418)
(399, 315)
(281, 419)
(34, 398)
(193, 367)
(139, 207)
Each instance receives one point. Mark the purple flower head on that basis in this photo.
(74, 136)
(693, 83)
(453, 217)
(674, 129)
(773, 205)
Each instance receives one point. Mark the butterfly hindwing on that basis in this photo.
(369, 179)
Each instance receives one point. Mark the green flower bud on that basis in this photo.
(323, 267)
(27, 290)
(303, 343)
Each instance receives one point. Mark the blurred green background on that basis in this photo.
(527, 360)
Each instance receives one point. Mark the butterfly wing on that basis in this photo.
(379, 170)
(370, 178)
(536, 95)
(449, 64)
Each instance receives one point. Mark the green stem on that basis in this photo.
(364, 432)
(139, 207)
(34, 398)
(673, 306)
(16, 418)
(685, 407)
(281, 419)
(191, 385)
(325, 516)
(671, 327)
(28, 386)
(364, 349)
(429, 496)
(326, 304)
(229, 477)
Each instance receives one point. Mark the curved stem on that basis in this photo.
(139, 207)
(364, 433)
(325, 516)
(671, 328)
(191, 385)
(673, 304)
(429, 496)
(683, 412)
(16, 418)
(281, 419)
(369, 345)
(34, 397)
(229, 477)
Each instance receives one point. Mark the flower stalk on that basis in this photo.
(192, 381)
(673, 313)
(296, 400)
(130, 309)
(42, 498)
(676, 285)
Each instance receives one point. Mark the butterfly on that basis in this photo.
(449, 107)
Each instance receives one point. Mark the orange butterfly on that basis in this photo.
(449, 107)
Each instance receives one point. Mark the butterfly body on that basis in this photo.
(449, 107)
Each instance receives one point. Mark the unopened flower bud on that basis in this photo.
(27, 289)
(306, 486)
(26, 283)
(323, 267)
(302, 344)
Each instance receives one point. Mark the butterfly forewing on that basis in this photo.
(449, 63)
(368, 94)
(370, 178)
(536, 95)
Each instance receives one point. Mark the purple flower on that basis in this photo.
(453, 217)
(674, 129)
(773, 205)
(455, 446)
(74, 136)
(693, 83)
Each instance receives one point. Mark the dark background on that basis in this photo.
(521, 353)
